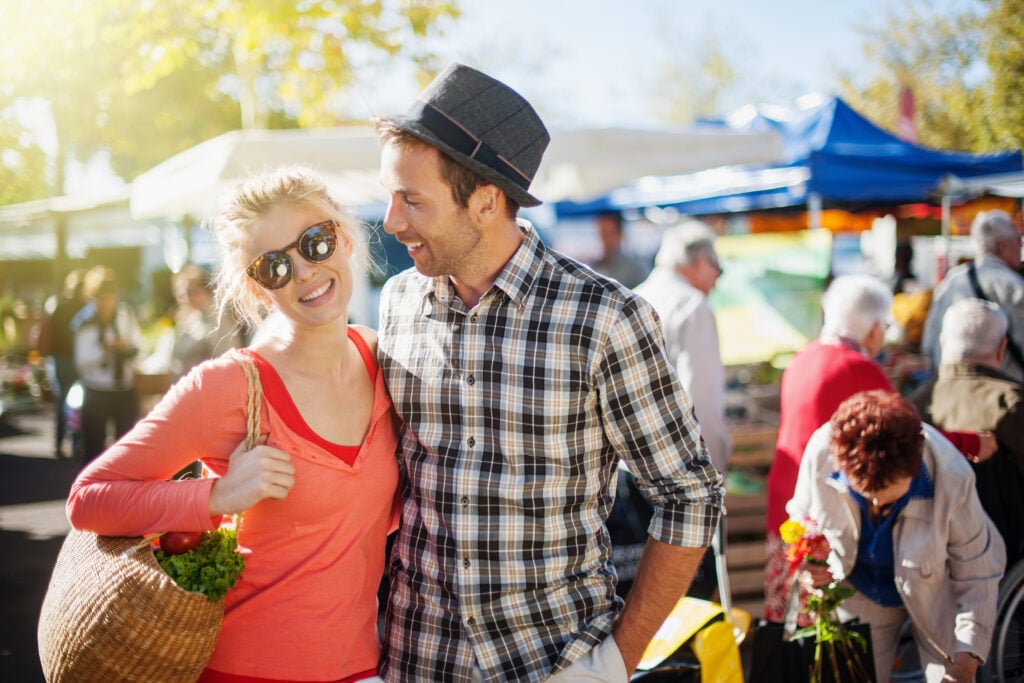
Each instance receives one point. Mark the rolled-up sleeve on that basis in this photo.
(650, 422)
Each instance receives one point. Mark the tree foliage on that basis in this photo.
(22, 164)
(148, 78)
(699, 83)
(965, 70)
(1004, 52)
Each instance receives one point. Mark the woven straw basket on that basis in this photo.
(111, 613)
(128, 621)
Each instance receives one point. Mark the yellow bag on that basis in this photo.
(718, 654)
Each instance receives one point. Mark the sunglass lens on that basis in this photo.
(318, 243)
(274, 269)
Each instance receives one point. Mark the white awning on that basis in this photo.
(579, 164)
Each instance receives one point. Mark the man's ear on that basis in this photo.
(486, 203)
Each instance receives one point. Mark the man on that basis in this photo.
(997, 275)
(522, 378)
(686, 269)
(972, 392)
(616, 263)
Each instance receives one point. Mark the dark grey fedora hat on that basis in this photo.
(484, 125)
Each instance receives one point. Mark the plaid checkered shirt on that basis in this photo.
(516, 414)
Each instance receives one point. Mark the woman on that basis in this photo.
(831, 369)
(318, 496)
(897, 503)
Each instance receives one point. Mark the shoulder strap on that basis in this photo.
(364, 352)
(1011, 345)
(972, 275)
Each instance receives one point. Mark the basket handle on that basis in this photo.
(254, 399)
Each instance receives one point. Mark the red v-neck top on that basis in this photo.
(276, 393)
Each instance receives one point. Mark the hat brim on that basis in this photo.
(414, 127)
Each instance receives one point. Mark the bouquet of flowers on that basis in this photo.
(834, 640)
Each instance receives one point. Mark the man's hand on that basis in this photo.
(986, 449)
(963, 669)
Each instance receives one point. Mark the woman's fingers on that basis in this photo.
(253, 475)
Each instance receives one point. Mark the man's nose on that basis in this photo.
(393, 221)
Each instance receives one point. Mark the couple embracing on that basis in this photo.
(483, 424)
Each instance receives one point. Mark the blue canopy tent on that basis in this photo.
(832, 155)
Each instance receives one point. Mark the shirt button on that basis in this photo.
(471, 621)
(471, 380)
(471, 442)
(464, 500)
(472, 318)
(465, 563)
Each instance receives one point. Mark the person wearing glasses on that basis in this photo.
(319, 493)
(907, 531)
(522, 377)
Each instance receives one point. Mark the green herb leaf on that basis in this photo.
(211, 568)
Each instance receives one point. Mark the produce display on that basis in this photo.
(202, 562)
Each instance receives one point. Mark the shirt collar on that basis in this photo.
(921, 486)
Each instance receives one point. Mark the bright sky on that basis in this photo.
(598, 62)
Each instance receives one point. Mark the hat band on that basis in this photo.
(465, 143)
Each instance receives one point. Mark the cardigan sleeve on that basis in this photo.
(126, 490)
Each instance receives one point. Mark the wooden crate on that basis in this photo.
(753, 451)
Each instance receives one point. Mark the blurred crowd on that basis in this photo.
(104, 360)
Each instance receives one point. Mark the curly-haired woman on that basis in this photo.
(898, 505)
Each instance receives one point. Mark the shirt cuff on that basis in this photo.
(690, 525)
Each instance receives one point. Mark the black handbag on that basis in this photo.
(776, 659)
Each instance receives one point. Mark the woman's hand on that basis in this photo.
(263, 472)
(963, 669)
(813, 575)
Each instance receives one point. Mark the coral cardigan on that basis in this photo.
(306, 605)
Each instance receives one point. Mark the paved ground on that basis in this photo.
(33, 487)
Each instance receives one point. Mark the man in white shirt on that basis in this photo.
(685, 271)
(994, 276)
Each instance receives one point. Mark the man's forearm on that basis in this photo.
(664, 575)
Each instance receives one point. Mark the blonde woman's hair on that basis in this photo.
(251, 199)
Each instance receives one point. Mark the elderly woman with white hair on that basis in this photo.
(839, 364)
(972, 392)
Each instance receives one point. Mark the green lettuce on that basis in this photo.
(211, 568)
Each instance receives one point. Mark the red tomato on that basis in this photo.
(178, 542)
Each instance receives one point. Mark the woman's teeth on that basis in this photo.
(320, 291)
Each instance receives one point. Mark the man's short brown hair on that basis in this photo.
(462, 181)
